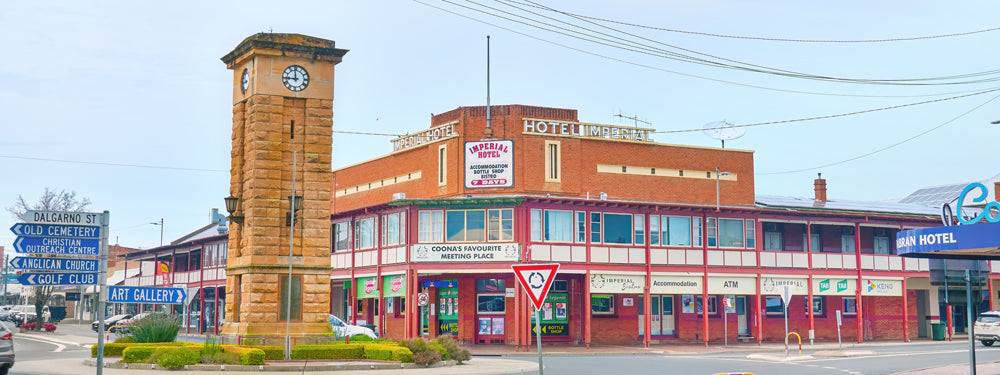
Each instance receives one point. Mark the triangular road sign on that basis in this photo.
(536, 280)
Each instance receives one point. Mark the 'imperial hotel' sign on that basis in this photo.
(585, 130)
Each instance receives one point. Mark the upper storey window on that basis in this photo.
(492, 225)
(731, 233)
(671, 230)
(364, 233)
(341, 236)
(553, 163)
(393, 229)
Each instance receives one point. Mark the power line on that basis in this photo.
(636, 47)
(674, 71)
(886, 147)
(901, 39)
(831, 116)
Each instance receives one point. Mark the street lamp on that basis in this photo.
(231, 206)
(161, 229)
(717, 174)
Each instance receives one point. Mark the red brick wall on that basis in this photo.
(622, 329)
(579, 159)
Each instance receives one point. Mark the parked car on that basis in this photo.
(24, 317)
(987, 327)
(110, 322)
(4, 312)
(6, 350)
(125, 323)
(17, 310)
(340, 328)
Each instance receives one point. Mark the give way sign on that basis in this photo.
(536, 280)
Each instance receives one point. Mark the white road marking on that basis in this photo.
(59, 347)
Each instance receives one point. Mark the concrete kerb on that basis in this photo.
(296, 366)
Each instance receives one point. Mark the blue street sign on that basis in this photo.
(54, 264)
(57, 246)
(438, 284)
(72, 296)
(11, 278)
(145, 294)
(58, 278)
(53, 230)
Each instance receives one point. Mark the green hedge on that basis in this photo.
(248, 356)
(116, 349)
(337, 351)
(271, 352)
(173, 358)
(137, 354)
(388, 353)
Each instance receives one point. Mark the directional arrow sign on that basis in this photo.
(54, 230)
(60, 278)
(536, 280)
(54, 264)
(57, 246)
(142, 294)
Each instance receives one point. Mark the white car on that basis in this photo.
(342, 329)
(987, 327)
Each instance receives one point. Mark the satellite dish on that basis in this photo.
(723, 130)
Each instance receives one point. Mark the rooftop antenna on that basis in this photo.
(635, 119)
(488, 133)
(723, 130)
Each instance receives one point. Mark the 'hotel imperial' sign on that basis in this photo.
(585, 130)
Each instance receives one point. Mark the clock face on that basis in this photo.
(245, 81)
(295, 78)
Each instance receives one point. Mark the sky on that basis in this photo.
(129, 105)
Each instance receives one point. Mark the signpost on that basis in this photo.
(145, 294)
(48, 233)
(726, 304)
(536, 280)
(786, 297)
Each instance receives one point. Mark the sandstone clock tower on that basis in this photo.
(282, 105)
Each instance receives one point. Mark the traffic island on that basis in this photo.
(779, 358)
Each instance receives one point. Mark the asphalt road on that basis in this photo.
(887, 360)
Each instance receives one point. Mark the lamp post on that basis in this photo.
(161, 229)
(717, 174)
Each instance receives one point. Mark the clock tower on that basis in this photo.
(282, 141)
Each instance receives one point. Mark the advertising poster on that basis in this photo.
(561, 311)
(485, 326)
(489, 164)
(498, 326)
(388, 305)
(547, 311)
(687, 304)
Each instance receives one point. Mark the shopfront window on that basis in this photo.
(818, 305)
(773, 305)
(850, 306)
(602, 304)
(490, 303)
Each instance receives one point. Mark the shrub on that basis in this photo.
(125, 340)
(137, 354)
(156, 327)
(31, 326)
(336, 351)
(116, 349)
(175, 358)
(423, 352)
(247, 356)
(388, 353)
(271, 352)
(455, 351)
(441, 350)
(361, 338)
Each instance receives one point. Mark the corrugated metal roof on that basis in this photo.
(809, 204)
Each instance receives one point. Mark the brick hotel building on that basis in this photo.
(657, 243)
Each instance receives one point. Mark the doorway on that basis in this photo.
(741, 316)
(661, 316)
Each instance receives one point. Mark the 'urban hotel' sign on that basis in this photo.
(585, 130)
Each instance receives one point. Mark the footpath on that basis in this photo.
(487, 359)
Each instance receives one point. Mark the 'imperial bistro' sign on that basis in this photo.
(486, 252)
(585, 130)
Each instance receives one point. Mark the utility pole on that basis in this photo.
(161, 230)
